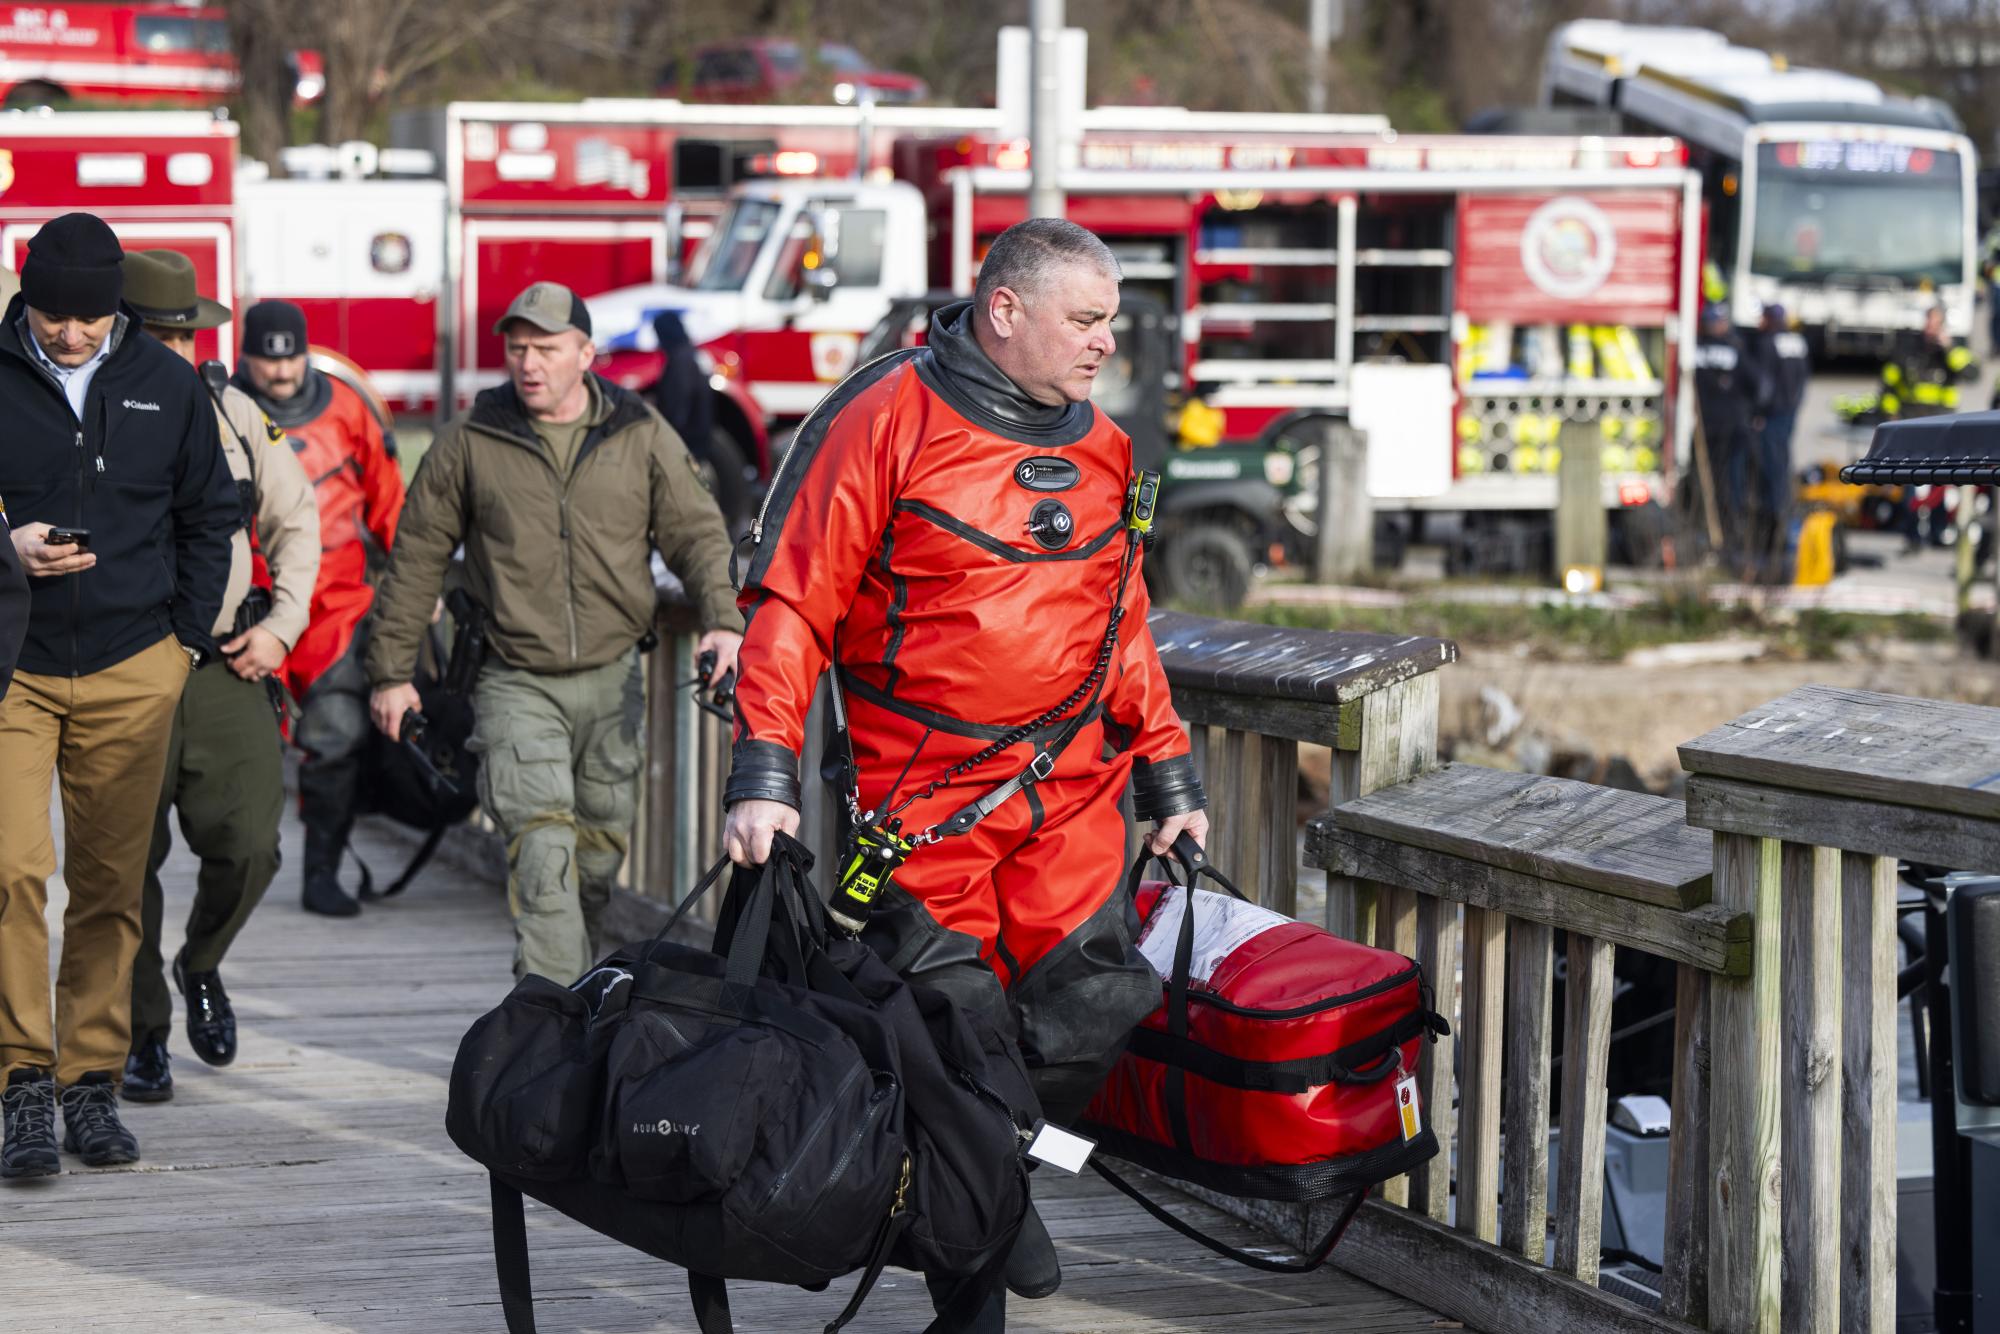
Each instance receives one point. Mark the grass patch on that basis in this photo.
(1570, 632)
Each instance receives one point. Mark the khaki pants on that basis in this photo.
(105, 737)
(225, 773)
(559, 773)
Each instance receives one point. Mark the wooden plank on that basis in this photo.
(1244, 800)
(1525, 1098)
(1629, 844)
(1712, 937)
(1868, 1094)
(1851, 824)
(1396, 929)
(1810, 1113)
(1485, 1287)
(1579, 1208)
(1482, 1011)
(1276, 662)
(1295, 720)
(653, 870)
(1743, 1247)
(1437, 952)
(1684, 1294)
(1279, 835)
(1862, 744)
(1399, 734)
(1344, 908)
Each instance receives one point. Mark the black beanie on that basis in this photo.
(274, 329)
(73, 268)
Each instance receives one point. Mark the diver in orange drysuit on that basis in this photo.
(954, 541)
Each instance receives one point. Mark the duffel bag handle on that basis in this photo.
(702, 886)
(1194, 864)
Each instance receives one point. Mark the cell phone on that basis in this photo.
(65, 537)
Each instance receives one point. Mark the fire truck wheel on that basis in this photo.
(1206, 564)
(36, 93)
(731, 478)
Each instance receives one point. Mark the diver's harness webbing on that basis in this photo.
(968, 816)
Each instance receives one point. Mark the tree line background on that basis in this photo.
(1427, 64)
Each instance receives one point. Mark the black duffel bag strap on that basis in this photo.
(1224, 1249)
(510, 1258)
(710, 1297)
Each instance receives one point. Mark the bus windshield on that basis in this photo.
(725, 259)
(1833, 209)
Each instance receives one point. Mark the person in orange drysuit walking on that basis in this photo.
(359, 491)
(950, 528)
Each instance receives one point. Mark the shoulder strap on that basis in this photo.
(510, 1258)
(1228, 1252)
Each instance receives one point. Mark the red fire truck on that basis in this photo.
(174, 53)
(1458, 298)
(162, 179)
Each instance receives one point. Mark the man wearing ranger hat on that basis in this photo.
(359, 492)
(560, 485)
(224, 767)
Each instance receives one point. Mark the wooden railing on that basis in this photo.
(1771, 891)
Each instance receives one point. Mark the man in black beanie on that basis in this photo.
(122, 509)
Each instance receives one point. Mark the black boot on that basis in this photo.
(149, 1073)
(1032, 1267)
(28, 1119)
(323, 894)
(211, 1022)
(91, 1128)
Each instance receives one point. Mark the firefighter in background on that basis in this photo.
(225, 762)
(955, 535)
(1784, 365)
(1727, 386)
(359, 491)
(1920, 379)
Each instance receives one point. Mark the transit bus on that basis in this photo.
(1852, 208)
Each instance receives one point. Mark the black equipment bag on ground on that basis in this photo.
(397, 783)
(783, 1108)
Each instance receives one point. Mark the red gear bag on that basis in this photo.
(1281, 1064)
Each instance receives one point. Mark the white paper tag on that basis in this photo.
(1059, 1148)
(1407, 1108)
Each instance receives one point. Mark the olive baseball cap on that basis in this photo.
(550, 307)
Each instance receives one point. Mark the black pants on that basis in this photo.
(334, 731)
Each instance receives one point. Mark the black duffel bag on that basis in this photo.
(783, 1108)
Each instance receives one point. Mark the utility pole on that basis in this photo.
(1324, 23)
(1045, 128)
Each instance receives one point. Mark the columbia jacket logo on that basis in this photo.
(135, 405)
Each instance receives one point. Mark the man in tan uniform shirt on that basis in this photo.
(224, 763)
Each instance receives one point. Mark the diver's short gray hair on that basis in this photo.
(1027, 255)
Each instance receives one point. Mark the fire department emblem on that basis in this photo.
(1568, 248)
(6, 169)
(389, 252)
(833, 354)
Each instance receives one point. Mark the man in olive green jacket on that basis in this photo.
(560, 485)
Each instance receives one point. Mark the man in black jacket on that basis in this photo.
(123, 507)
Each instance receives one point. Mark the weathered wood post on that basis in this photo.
(1345, 544)
(1811, 800)
(1582, 530)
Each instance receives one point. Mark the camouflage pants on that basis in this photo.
(559, 773)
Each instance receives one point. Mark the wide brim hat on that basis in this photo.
(161, 288)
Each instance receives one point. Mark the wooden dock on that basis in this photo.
(311, 1186)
